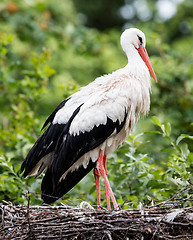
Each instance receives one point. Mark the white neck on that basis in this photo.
(136, 64)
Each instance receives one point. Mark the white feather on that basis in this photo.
(171, 216)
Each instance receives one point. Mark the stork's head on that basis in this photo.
(133, 43)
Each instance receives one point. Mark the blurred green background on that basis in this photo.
(49, 49)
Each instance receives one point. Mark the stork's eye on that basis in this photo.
(140, 39)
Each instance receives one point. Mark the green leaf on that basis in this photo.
(182, 136)
(169, 150)
(179, 139)
(153, 132)
(156, 120)
(167, 128)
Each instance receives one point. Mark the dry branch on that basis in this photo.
(65, 222)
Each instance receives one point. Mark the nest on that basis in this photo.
(164, 220)
(84, 222)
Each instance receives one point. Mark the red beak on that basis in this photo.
(143, 53)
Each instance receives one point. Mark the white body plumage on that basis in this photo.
(108, 96)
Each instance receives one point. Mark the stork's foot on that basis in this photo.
(101, 170)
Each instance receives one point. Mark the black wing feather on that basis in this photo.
(62, 187)
(68, 152)
(51, 117)
(47, 142)
(44, 145)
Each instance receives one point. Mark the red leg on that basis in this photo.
(107, 186)
(97, 180)
(103, 171)
(105, 164)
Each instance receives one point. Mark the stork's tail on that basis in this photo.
(51, 191)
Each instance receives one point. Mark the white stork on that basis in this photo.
(90, 124)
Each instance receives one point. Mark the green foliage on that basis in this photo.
(18, 96)
(46, 54)
(141, 180)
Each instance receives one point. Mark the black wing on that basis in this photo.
(45, 144)
(66, 149)
(69, 149)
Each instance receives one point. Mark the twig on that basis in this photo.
(28, 215)
(172, 198)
